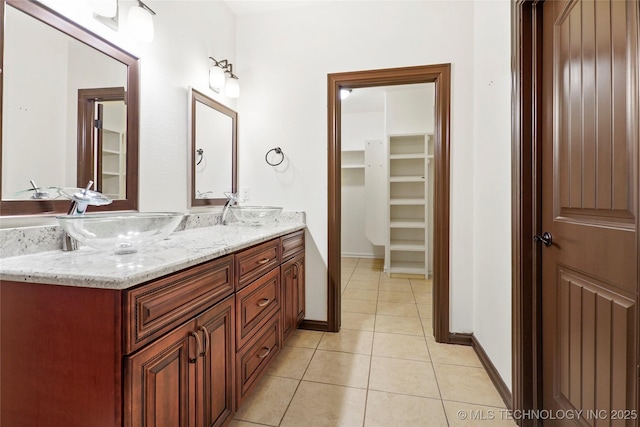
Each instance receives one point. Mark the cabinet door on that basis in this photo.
(215, 377)
(289, 297)
(159, 380)
(299, 275)
(293, 294)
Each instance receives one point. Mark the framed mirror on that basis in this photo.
(213, 140)
(69, 112)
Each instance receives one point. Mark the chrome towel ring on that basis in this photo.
(277, 150)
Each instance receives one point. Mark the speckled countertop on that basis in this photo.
(88, 267)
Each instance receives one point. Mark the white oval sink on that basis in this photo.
(255, 215)
(121, 233)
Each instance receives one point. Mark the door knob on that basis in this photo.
(546, 238)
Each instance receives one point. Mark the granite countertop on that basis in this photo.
(90, 268)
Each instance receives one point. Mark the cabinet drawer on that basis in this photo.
(255, 304)
(254, 262)
(292, 244)
(252, 361)
(156, 307)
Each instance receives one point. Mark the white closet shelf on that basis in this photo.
(109, 173)
(108, 151)
(353, 167)
(407, 178)
(396, 202)
(407, 223)
(408, 156)
(407, 267)
(407, 245)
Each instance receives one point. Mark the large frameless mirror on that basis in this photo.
(213, 148)
(69, 112)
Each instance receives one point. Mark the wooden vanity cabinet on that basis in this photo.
(258, 321)
(182, 350)
(292, 282)
(186, 377)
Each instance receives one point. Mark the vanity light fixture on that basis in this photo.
(344, 93)
(219, 80)
(141, 22)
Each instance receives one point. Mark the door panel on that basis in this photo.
(216, 381)
(589, 199)
(159, 381)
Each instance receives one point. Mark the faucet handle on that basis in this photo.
(233, 197)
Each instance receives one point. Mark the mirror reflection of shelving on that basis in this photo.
(113, 164)
(409, 162)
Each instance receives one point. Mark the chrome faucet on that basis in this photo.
(232, 199)
(80, 201)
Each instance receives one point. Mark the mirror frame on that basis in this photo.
(195, 97)
(54, 19)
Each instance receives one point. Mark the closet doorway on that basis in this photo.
(437, 78)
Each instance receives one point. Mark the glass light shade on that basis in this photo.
(344, 93)
(107, 8)
(232, 88)
(140, 24)
(216, 78)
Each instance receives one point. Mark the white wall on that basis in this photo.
(492, 185)
(356, 129)
(283, 62)
(410, 110)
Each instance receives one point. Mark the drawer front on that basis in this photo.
(255, 304)
(252, 361)
(292, 244)
(254, 262)
(156, 307)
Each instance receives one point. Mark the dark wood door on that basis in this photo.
(215, 377)
(589, 205)
(160, 380)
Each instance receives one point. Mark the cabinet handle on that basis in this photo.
(296, 270)
(199, 342)
(264, 261)
(206, 340)
(263, 302)
(265, 354)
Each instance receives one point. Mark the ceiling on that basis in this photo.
(371, 99)
(250, 7)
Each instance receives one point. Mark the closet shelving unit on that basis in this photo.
(353, 159)
(409, 161)
(113, 164)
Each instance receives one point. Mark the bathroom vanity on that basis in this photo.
(184, 348)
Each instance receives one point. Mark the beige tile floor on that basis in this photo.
(384, 368)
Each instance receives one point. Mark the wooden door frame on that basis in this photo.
(439, 74)
(526, 216)
(526, 39)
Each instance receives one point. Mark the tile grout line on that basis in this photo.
(433, 369)
(300, 381)
(373, 338)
